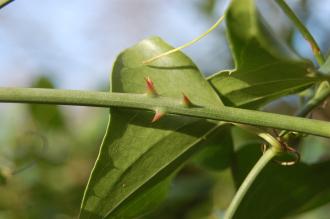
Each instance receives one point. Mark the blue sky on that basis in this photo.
(75, 42)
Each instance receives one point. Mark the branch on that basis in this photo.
(248, 181)
(323, 89)
(172, 106)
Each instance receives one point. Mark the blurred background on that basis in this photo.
(46, 152)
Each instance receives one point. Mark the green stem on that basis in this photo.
(3, 3)
(144, 102)
(323, 90)
(303, 30)
(248, 181)
(321, 94)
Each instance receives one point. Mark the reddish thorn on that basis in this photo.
(315, 49)
(186, 101)
(158, 115)
(150, 87)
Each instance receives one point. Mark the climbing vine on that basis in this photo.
(165, 112)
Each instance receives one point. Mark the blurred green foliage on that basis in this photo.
(47, 161)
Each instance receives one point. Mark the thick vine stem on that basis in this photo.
(303, 30)
(321, 94)
(248, 181)
(172, 106)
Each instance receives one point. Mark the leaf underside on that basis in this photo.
(137, 158)
(266, 68)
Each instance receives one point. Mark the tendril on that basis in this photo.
(214, 26)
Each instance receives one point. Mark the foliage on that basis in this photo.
(158, 163)
(129, 173)
(265, 67)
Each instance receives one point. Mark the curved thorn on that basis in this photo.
(150, 87)
(158, 115)
(186, 101)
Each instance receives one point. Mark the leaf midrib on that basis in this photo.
(198, 140)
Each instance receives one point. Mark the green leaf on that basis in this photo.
(218, 150)
(280, 191)
(46, 116)
(138, 158)
(192, 189)
(265, 68)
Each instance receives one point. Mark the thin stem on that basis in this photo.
(320, 96)
(3, 3)
(187, 44)
(248, 181)
(303, 30)
(172, 106)
(323, 90)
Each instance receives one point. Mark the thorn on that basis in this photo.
(158, 115)
(315, 49)
(150, 87)
(186, 101)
